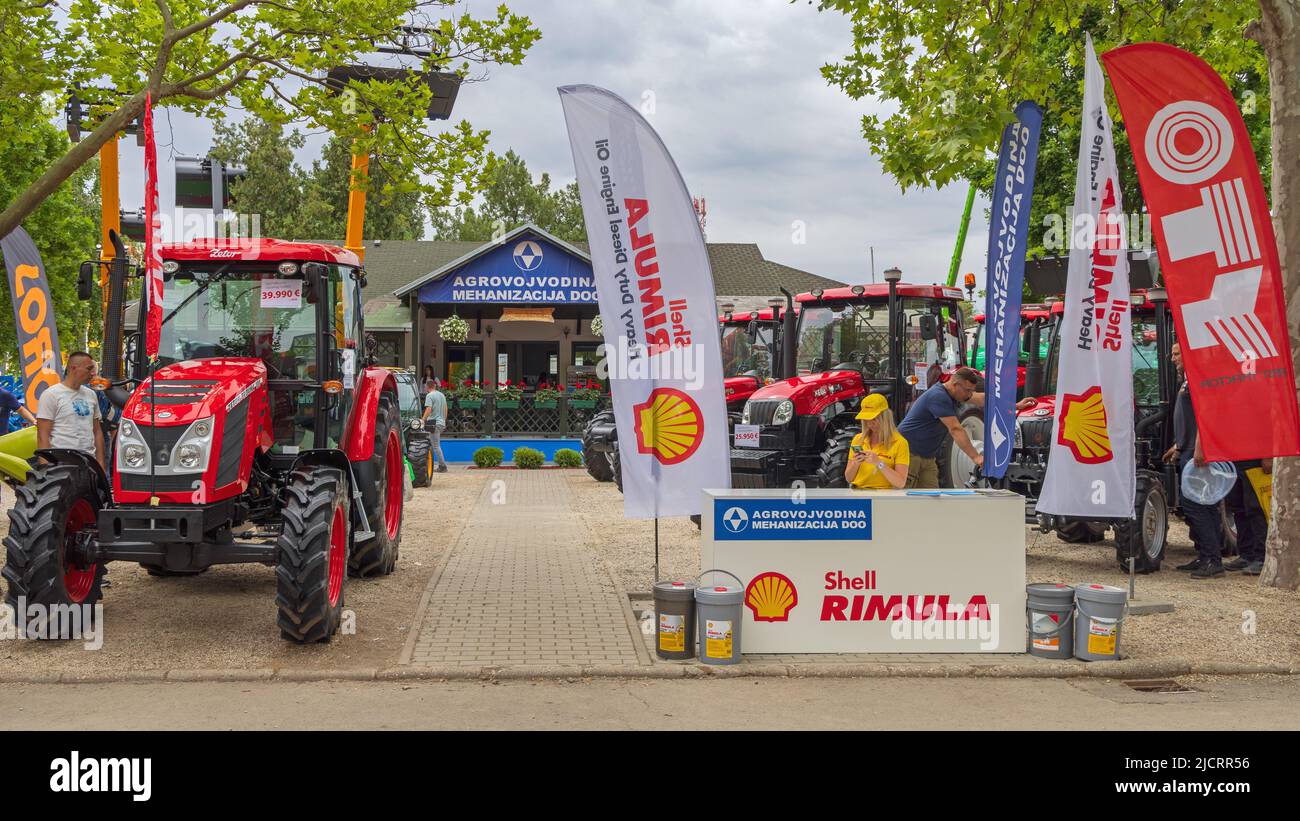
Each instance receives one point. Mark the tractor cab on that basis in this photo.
(895, 339)
(1034, 340)
(750, 352)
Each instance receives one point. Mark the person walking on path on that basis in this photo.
(8, 404)
(1203, 521)
(435, 412)
(878, 456)
(67, 415)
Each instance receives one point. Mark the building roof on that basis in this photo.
(739, 270)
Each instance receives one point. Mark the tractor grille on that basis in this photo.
(761, 411)
(750, 458)
(232, 444)
(1036, 433)
(142, 482)
(161, 440)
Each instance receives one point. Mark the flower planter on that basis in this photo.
(582, 403)
(469, 403)
(508, 403)
(552, 405)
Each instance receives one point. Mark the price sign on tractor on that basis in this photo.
(281, 293)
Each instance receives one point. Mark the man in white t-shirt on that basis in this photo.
(67, 415)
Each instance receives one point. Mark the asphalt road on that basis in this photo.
(614, 704)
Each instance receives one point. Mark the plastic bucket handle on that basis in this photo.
(719, 570)
(1079, 604)
(1069, 617)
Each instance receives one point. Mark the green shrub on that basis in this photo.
(568, 458)
(488, 456)
(529, 458)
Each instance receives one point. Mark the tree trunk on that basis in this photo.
(63, 168)
(1279, 34)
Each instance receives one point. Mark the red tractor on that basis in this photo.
(894, 339)
(259, 437)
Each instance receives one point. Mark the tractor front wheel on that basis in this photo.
(597, 463)
(53, 508)
(835, 456)
(312, 554)
(1145, 536)
(955, 467)
(378, 556)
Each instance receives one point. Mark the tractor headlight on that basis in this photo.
(784, 412)
(191, 452)
(744, 415)
(188, 456)
(134, 455)
(1019, 438)
(417, 424)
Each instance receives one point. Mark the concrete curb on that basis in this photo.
(1136, 669)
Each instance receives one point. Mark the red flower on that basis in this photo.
(468, 383)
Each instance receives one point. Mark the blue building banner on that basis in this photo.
(1013, 191)
(766, 519)
(523, 271)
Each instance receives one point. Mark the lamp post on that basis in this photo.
(892, 276)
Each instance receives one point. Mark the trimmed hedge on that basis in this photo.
(529, 458)
(568, 458)
(488, 456)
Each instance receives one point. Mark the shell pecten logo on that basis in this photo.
(771, 596)
(669, 425)
(1083, 427)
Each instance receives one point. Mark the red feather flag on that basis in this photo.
(1217, 251)
(153, 273)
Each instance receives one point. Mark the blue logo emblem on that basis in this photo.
(735, 519)
(528, 255)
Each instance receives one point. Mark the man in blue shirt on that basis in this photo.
(435, 422)
(8, 404)
(934, 415)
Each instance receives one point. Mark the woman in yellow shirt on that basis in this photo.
(879, 455)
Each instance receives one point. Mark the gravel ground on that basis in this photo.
(1207, 622)
(225, 618)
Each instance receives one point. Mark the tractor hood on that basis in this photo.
(812, 392)
(740, 388)
(1044, 408)
(187, 391)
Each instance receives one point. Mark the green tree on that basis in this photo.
(272, 186)
(953, 71)
(268, 56)
(64, 228)
(511, 199)
(393, 207)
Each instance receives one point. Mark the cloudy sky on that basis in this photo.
(733, 88)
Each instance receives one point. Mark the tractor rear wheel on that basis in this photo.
(1144, 537)
(54, 505)
(378, 556)
(420, 455)
(597, 463)
(312, 554)
(955, 467)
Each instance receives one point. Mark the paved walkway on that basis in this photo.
(522, 587)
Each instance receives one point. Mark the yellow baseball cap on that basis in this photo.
(872, 406)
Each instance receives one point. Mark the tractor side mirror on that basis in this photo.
(313, 276)
(751, 330)
(929, 326)
(86, 280)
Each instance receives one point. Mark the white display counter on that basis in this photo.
(849, 571)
